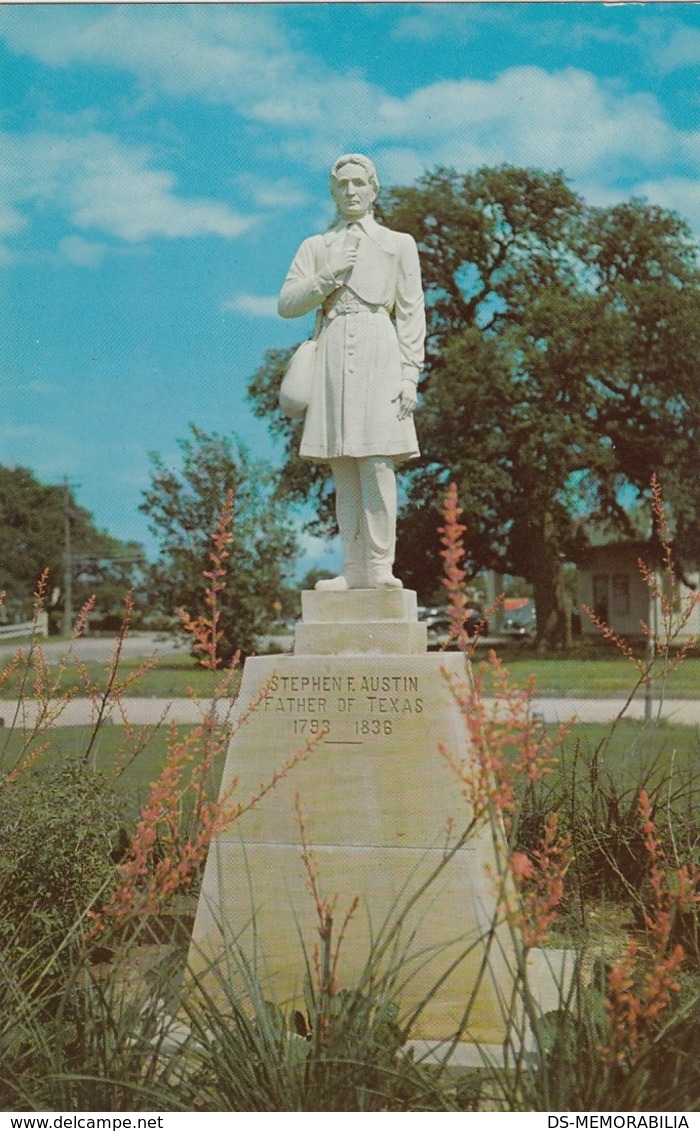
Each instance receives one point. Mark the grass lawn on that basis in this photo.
(600, 674)
(174, 677)
(594, 676)
(628, 752)
(106, 755)
(632, 749)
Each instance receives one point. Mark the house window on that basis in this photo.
(601, 602)
(621, 595)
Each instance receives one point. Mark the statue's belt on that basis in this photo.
(349, 303)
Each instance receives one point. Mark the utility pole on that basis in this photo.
(67, 562)
(652, 633)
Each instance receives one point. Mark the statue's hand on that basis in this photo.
(407, 399)
(343, 254)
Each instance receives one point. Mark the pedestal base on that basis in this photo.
(360, 621)
(378, 797)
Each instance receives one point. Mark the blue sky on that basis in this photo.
(161, 163)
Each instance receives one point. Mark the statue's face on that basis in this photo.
(352, 192)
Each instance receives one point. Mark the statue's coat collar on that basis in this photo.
(370, 227)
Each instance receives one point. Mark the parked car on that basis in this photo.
(521, 623)
(439, 625)
(427, 612)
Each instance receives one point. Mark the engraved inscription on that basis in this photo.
(355, 706)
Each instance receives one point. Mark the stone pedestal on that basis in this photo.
(360, 621)
(378, 797)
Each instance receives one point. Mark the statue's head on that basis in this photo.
(354, 185)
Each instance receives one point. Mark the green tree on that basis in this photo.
(183, 506)
(38, 522)
(648, 395)
(562, 367)
(562, 371)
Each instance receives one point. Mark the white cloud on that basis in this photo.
(220, 52)
(606, 141)
(457, 22)
(594, 130)
(233, 54)
(681, 50)
(238, 54)
(401, 164)
(681, 194)
(597, 131)
(103, 185)
(133, 203)
(81, 252)
(11, 220)
(255, 306)
(283, 193)
(677, 193)
(527, 115)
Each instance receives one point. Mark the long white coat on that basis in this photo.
(361, 356)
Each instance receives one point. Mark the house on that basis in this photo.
(611, 583)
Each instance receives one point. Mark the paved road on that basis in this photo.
(140, 711)
(101, 647)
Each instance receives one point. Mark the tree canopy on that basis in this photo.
(562, 372)
(39, 524)
(183, 506)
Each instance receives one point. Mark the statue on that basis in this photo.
(366, 281)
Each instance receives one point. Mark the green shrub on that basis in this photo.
(60, 829)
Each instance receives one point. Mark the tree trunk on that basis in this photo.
(552, 602)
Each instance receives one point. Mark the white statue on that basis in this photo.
(367, 281)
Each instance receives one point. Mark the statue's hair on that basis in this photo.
(355, 159)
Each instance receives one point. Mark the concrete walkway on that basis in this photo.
(685, 711)
(139, 711)
(81, 712)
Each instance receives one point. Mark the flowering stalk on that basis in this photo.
(539, 880)
(508, 754)
(507, 746)
(453, 555)
(507, 751)
(178, 821)
(455, 576)
(325, 955)
(205, 629)
(643, 986)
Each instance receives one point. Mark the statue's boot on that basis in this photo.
(332, 584)
(377, 579)
(354, 575)
(381, 577)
